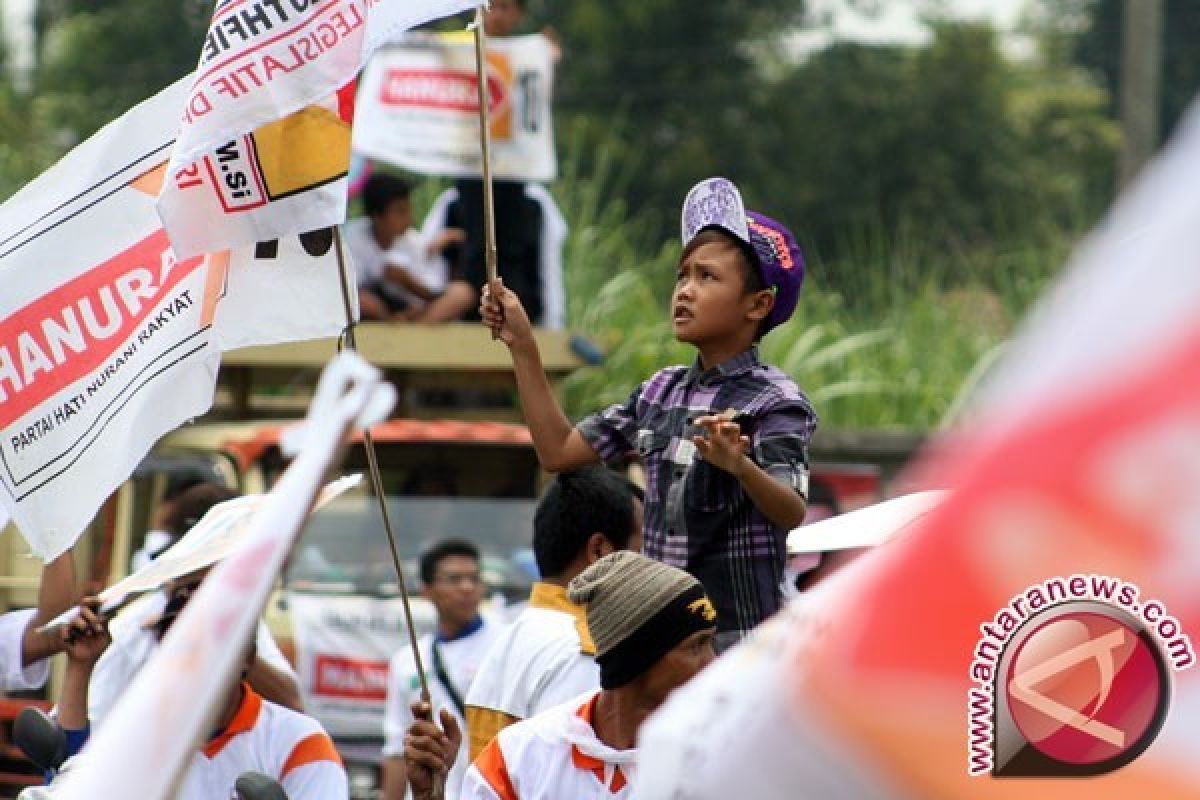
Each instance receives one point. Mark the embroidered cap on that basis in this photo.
(717, 203)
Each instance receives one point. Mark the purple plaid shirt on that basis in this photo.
(698, 517)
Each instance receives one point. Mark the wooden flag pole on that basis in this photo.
(485, 147)
(377, 488)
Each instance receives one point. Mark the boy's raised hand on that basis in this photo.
(723, 446)
(502, 311)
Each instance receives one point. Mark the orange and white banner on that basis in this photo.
(156, 726)
(1035, 635)
(265, 141)
(285, 177)
(107, 339)
(418, 106)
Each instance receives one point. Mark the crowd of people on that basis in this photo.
(639, 588)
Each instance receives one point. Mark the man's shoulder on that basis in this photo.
(536, 635)
(288, 724)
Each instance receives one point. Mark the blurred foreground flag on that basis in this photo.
(150, 739)
(1038, 627)
(107, 338)
(264, 147)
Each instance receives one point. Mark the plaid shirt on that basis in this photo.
(698, 517)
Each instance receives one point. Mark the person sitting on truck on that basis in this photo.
(654, 629)
(452, 580)
(24, 650)
(134, 641)
(397, 267)
(547, 656)
(251, 733)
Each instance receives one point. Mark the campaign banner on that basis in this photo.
(287, 176)
(108, 339)
(173, 704)
(418, 106)
(1035, 635)
(263, 61)
(344, 644)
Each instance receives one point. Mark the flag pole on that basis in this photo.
(373, 470)
(485, 147)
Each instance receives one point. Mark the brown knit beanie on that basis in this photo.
(637, 610)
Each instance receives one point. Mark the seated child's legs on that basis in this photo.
(451, 304)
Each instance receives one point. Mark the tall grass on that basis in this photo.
(889, 347)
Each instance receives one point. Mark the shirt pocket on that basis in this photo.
(652, 451)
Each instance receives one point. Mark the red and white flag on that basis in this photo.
(1039, 626)
(108, 339)
(264, 147)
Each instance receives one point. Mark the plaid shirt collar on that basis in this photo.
(742, 362)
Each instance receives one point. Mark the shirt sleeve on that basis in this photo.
(12, 637)
(317, 780)
(780, 444)
(612, 433)
(488, 778)
(397, 716)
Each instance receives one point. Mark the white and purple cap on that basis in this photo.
(717, 203)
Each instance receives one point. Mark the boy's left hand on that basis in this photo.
(723, 446)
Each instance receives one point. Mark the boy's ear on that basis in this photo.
(598, 546)
(761, 304)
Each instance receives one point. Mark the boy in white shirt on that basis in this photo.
(398, 271)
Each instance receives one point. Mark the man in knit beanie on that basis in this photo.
(653, 628)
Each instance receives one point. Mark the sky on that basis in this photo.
(896, 21)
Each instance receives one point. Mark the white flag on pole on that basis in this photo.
(107, 339)
(265, 141)
(171, 706)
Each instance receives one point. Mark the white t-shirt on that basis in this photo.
(408, 251)
(539, 661)
(551, 756)
(280, 743)
(13, 676)
(462, 658)
(132, 645)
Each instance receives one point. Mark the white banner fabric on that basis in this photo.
(418, 107)
(343, 647)
(260, 62)
(107, 339)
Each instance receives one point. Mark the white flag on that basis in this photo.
(159, 722)
(237, 163)
(107, 339)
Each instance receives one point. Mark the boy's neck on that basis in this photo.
(715, 354)
(384, 241)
